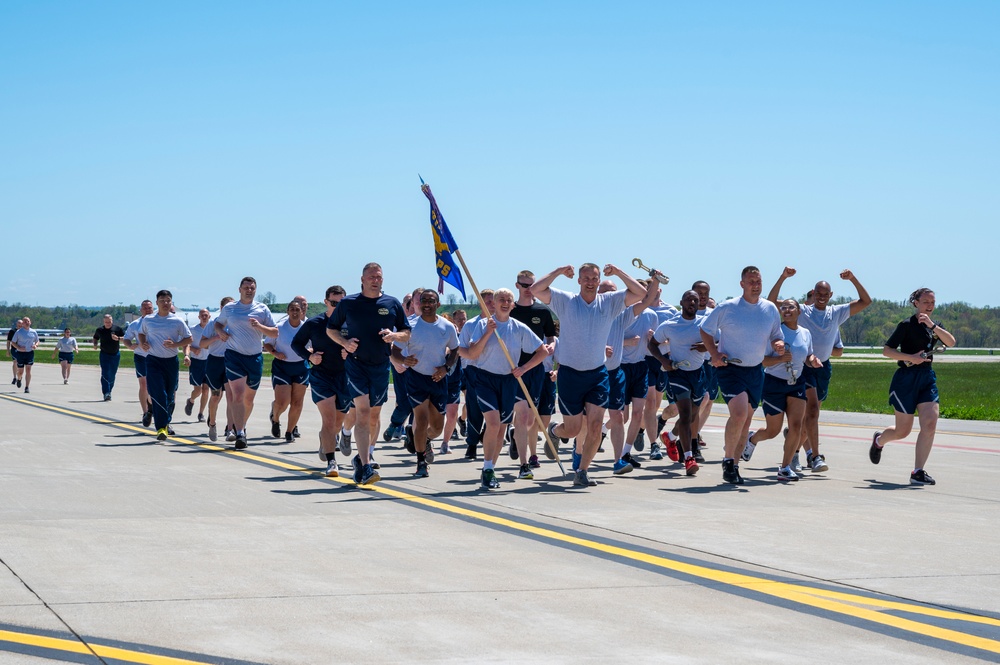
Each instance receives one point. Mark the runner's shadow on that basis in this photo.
(86, 401)
(882, 485)
(703, 489)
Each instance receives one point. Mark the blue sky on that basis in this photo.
(183, 145)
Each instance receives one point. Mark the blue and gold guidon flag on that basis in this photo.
(444, 245)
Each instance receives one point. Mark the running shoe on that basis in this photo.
(655, 451)
(107, 398)
(628, 457)
(288, 437)
(470, 451)
(796, 464)
(552, 430)
(921, 477)
(875, 452)
(671, 447)
(660, 424)
(408, 441)
(581, 479)
(621, 467)
(358, 471)
(445, 448)
(213, 433)
(188, 408)
(26, 390)
(454, 435)
(201, 417)
(640, 440)
(18, 381)
(491, 479)
(147, 418)
(577, 460)
(512, 446)
(13, 381)
(230, 434)
(526, 473)
(819, 464)
(295, 432)
(161, 434)
(275, 428)
(344, 444)
(786, 474)
(331, 469)
(371, 460)
(170, 430)
(461, 427)
(533, 462)
(809, 458)
(370, 475)
(549, 452)
(748, 447)
(729, 474)
(429, 452)
(421, 469)
(241, 441)
(690, 466)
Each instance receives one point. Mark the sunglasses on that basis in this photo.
(525, 286)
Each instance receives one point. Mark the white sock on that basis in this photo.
(487, 465)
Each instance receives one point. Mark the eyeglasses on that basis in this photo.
(524, 286)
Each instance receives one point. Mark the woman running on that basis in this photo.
(66, 347)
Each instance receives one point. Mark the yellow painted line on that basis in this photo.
(853, 605)
(75, 646)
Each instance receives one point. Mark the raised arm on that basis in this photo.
(863, 298)
(636, 291)
(540, 289)
(772, 295)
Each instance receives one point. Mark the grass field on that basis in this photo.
(964, 352)
(968, 390)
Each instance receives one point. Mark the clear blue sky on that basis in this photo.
(183, 145)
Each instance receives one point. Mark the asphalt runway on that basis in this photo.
(115, 548)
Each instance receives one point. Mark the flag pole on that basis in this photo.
(534, 409)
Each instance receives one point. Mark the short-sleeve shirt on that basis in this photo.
(132, 335)
(216, 347)
(430, 343)
(800, 342)
(539, 318)
(158, 329)
(642, 324)
(283, 342)
(103, 336)
(197, 352)
(516, 336)
(584, 327)
(26, 337)
(824, 324)
(243, 337)
(365, 317)
(911, 336)
(745, 330)
(681, 334)
(66, 345)
(617, 337)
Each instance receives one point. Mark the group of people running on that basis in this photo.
(606, 357)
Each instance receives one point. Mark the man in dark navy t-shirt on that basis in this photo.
(375, 321)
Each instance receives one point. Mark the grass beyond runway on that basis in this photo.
(858, 387)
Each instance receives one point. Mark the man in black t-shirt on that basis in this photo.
(11, 349)
(539, 318)
(108, 339)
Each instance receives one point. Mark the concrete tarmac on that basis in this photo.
(115, 548)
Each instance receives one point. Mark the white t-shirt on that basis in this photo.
(584, 327)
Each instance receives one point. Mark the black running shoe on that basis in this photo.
(288, 437)
(188, 408)
(470, 452)
(640, 440)
(241, 441)
(295, 432)
(18, 381)
(358, 471)
(147, 418)
(275, 428)
(421, 469)
(461, 427)
(408, 441)
(627, 457)
(370, 476)
(875, 452)
(729, 473)
(512, 445)
(170, 431)
(921, 477)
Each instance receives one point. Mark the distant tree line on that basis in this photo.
(975, 327)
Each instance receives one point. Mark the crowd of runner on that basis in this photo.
(606, 358)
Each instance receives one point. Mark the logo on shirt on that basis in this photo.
(536, 320)
(383, 311)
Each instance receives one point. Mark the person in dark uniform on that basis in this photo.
(108, 338)
(914, 386)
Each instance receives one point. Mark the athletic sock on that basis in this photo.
(487, 465)
(330, 457)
